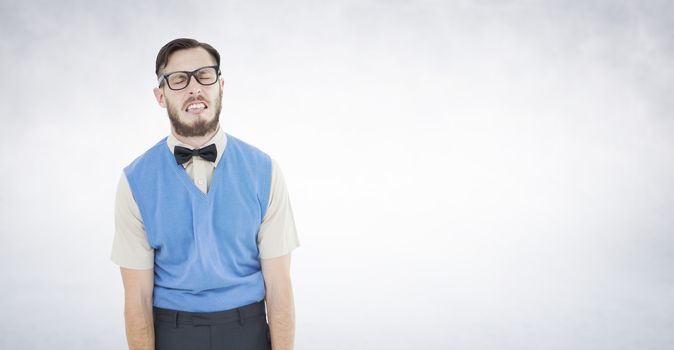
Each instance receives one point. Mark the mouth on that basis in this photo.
(196, 107)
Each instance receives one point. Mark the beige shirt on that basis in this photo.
(277, 235)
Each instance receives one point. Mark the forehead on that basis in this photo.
(189, 60)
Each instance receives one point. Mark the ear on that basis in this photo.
(159, 95)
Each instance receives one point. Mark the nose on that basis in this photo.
(193, 86)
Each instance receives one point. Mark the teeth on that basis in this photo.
(196, 105)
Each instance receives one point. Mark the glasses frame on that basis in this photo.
(191, 74)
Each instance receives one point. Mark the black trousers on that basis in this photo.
(243, 328)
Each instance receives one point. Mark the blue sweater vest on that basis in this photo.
(206, 256)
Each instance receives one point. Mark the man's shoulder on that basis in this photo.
(150, 153)
(237, 143)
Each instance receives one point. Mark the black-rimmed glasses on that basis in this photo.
(179, 80)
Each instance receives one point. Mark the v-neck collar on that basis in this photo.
(219, 139)
(188, 182)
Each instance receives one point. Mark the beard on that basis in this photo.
(200, 126)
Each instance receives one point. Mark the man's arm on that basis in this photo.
(138, 289)
(280, 303)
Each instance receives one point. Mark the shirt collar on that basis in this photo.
(219, 139)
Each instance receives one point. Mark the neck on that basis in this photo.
(195, 141)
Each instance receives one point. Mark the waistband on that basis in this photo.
(239, 314)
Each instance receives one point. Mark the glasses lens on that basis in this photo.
(207, 75)
(177, 80)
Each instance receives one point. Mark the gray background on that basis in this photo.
(464, 175)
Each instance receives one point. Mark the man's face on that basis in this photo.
(194, 110)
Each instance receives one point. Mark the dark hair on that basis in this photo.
(182, 44)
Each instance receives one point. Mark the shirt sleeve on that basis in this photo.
(277, 235)
(130, 247)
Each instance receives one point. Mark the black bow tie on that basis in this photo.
(183, 154)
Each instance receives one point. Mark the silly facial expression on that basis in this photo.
(194, 110)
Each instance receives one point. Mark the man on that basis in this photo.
(203, 225)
